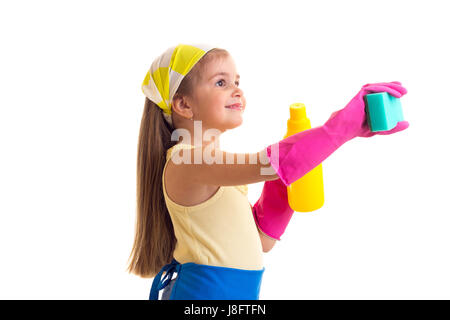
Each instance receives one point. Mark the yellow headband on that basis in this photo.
(167, 71)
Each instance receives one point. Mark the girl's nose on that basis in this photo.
(238, 91)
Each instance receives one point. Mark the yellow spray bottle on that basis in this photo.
(307, 193)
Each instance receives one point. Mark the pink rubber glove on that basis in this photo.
(293, 157)
(272, 211)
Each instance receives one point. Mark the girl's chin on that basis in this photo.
(236, 122)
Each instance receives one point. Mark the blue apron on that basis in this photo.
(202, 282)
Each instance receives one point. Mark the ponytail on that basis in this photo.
(155, 240)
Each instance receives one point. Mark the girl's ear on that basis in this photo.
(181, 107)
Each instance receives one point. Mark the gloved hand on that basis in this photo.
(272, 211)
(351, 121)
(293, 157)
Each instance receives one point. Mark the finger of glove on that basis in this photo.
(376, 89)
(394, 85)
(398, 87)
(402, 125)
(382, 83)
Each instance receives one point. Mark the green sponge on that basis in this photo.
(383, 111)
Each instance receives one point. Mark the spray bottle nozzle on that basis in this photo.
(297, 112)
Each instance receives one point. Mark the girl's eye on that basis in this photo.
(222, 80)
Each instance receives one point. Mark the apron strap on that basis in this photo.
(159, 284)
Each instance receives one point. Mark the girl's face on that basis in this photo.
(217, 89)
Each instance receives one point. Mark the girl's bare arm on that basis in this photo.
(266, 242)
(220, 168)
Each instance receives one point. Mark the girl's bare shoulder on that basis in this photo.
(184, 191)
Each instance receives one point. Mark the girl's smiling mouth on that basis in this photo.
(236, 106)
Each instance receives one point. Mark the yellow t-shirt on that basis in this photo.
(217, 232)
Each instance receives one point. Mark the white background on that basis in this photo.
(71, 103)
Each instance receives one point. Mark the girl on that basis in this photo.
(193, 215)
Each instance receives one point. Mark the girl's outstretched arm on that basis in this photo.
(219, 168)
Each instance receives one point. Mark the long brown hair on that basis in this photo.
(155, 240)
